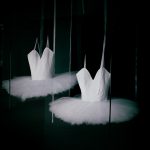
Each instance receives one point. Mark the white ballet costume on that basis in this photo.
(93, 107)
(41, 82)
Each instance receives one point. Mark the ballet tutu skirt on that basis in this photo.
(24, 87)
(77, 111)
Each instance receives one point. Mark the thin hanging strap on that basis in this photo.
(38, 47)
(10, 71)
(136, 77)
(47, 43)
(110, 108)
(54, 42)
(85, 61)
(41, 28)
(83, 8)
(37, 44)
(105, 17)
(53, 98)
(102, 65)
(110, 93)
(36, 41)
(54, 28)
(54, 37)
(104, 46)
(70, 52)
(105, 31)
(136, 66)
(83, 11)
(70, 44)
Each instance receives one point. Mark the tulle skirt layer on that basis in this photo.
(76, 111)
(24, 87)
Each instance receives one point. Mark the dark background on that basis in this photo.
(28, 124)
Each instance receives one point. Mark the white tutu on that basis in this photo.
(24, 87)
(77, 111)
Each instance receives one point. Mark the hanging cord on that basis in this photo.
(110, 95)
(110, 102)
(136, 66)
(135, 78)
(85, 61)
(35, 43)
(47, 42)
(10, 69)
(41, 28)
(37, 46)
(83, 13)
(104, 46)
(70, 40)
(54, 30)
(54, 46)
(102, 64)
(105, 32)
(83, 8)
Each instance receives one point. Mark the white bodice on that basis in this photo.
(41, 67)
(94, 89)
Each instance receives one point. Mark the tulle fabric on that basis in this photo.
(77, 111)
(24, 87)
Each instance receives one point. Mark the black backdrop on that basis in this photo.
(21, 22)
